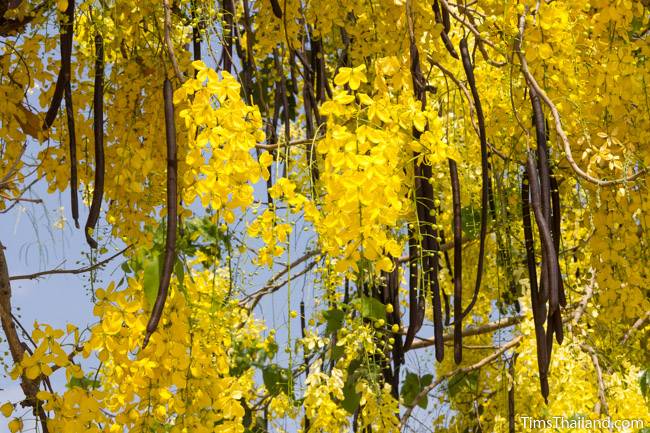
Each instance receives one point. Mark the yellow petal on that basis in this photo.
(420, 121)
(7, 409)
(15, 425)
(343, 76)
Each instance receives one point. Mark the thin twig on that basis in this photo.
(168, 40)
(483, 362)
(478, 330)
(69, 271)
(599, 375)
(641, 321)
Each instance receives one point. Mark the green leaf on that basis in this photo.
(351, 397)
(179, 271)
(334, 320)
(276, 379)
(463, 382)
(151, 279)
(644, 383)
(471, 221)
(371, 308)
(336, 352)
(83, 382)
(413, 385)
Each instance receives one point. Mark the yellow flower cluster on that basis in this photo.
(182, 379)
(221, 132)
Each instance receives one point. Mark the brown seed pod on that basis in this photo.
(74, 199)
(98, 129)
(556, 230)
(277, 10)
(458, 262)
(66, 36)
(172, 213)
(229, 17)
(485, 175)
(549, 258)
(539, 309)
(442, 16)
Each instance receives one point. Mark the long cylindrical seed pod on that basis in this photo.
(74, 198)
(550, 331)
(98, 129)
(542, 154)
(438, 327)
(545, 185)
(303, 333)
(414, 284)
(556, 228)
(539, 310)
(392, 285)
(66, 37)
(485, 175)
(172, 213)
(277, 10)
(442, 17)
(433, 259)
(196, 36)
(229, 30)
(544, 234)
(283, 95)
(557, 326)
(458, 262)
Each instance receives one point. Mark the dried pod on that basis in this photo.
(172, 213)
(458, 262)
(485, 175)
(98, 129)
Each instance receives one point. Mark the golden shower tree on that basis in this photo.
(475, 169)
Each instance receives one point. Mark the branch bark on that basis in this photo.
(558, 121)
(483, 362)
(478, 330)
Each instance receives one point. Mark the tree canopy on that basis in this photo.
(443, 204)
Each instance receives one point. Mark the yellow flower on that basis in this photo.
(353, 76)
(7, 409)
(15, 425)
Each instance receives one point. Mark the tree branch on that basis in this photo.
(483, 362)
(69, 271)
(558, 121)
(478, 330)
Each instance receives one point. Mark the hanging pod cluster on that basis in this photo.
(424, 245)
(539, 190)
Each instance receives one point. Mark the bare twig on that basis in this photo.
(16, 346)
(599, 375)
(580, 310)
(273, 146)
(483, 362)
(69, 271)
(169, 45)
(640, 323)
(274, 283)
(478, 330)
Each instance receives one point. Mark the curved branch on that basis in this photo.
(169, 45)
(558, 121)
